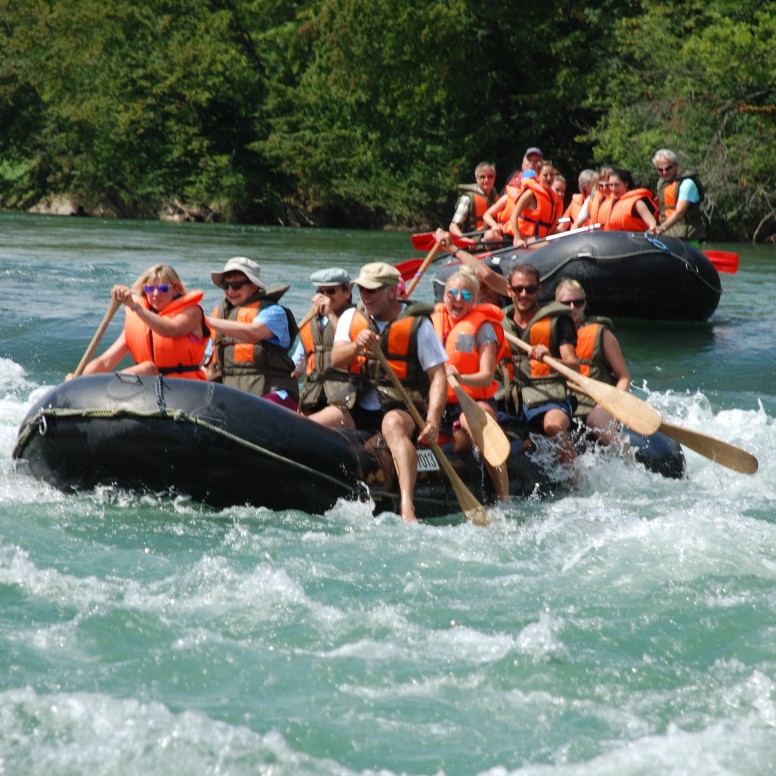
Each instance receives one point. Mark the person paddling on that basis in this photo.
(312, 357)
(600, 357)
(472, 335)
(537, 395)
(164, 331)
(404, 333)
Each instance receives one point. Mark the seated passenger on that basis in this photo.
(629, 209)
(586, 182)
(475, 200)
(679, 197)
(253, 334)
(407, 338)
(537, 210)
(312, 357)
(591, 209)
(472, 336)
(164, 330)
(600, 357)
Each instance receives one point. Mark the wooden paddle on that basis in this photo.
(87, 356)
(485, 430)
(472, 508)
(627, 408)
(718, 451)
(309, 315)
(422, 269)
(723, 261)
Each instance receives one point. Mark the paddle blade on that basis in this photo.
(485, 430)
(409, 268)
(474, 511)
(720, 452)
(723, 261)
(631, 411)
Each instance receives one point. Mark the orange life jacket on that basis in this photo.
(172, 356)
(539, 221)
(467, 362)
(399, 342)
(533, 382)
(504, 217)
(592, 358)
(572, 211)
(478, 204)
(691, 226)
(620, 216)
(598, 206)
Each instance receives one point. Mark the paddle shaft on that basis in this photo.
(625, 407)
(309, 315)
(422, 269)
(88, 355)
(411, 267)
(473, 510)
(463, 243)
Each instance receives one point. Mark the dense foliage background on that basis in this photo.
(369, 112)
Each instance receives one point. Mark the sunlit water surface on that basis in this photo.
(629, 628)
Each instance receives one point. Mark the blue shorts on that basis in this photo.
(530, 413)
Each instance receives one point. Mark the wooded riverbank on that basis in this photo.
(368, 113)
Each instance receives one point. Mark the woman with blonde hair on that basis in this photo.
(472, 336)
(164, 331)
(600, 357)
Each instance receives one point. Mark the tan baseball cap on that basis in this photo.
(377, 274)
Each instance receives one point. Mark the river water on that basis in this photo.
(629, 628)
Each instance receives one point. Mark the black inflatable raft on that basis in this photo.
(623, 274)
(224, 447)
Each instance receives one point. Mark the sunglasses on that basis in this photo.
(574, 303)
(665, 169)
(235, 285)
(458, 293)
(517, 290)
(362, 290)
(162, 288)
(328, 290)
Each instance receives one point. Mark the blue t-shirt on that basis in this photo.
(689, 191)
(275, 319)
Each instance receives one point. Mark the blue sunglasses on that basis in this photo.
(162, 288)
(457, 293)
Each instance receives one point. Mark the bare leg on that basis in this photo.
(556, 425)
(498, 474)
(397, 429)
(333, 417)
(602, 424)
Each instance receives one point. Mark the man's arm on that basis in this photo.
(483, 272)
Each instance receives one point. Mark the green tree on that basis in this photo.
(699, 78)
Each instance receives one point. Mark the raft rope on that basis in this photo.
(39, 422)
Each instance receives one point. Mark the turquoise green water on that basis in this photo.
(629, 628)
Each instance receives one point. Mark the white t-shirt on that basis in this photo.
(430, 350)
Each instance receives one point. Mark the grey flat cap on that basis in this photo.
(333, 276)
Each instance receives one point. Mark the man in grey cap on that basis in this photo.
(253, 335)
(407, 337)
(312, 357)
